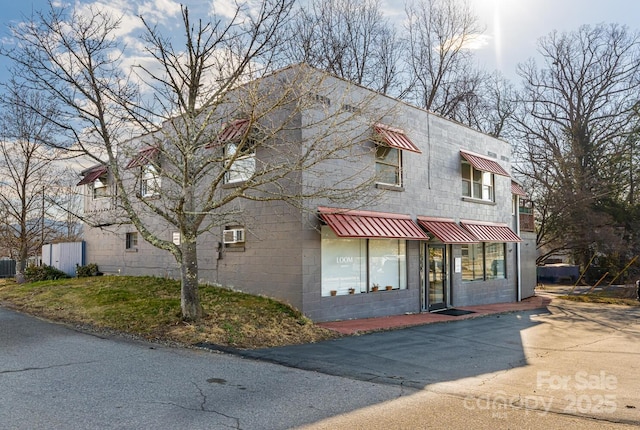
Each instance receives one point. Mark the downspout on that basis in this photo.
(518, 250)
(428, 150)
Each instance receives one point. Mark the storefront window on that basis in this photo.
(345, 262)
(483, 261)
(387, 263)
(495, 260)
(472, 262)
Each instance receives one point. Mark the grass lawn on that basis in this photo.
(150, 307)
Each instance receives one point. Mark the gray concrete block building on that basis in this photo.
(445, 228)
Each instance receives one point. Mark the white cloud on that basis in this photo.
(159, 10)
(118, 9)
(224, 8)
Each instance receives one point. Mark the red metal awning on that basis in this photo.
(483, 163)
(365, 224)
(395, 138)
(490, 232)
(92, 174)
(231, 130)
(143, 157)
(517, 189)
(446, 230)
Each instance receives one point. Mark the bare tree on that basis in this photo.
(576, 114)
(350, 39)
(181, 103)
(490, 108)
(442, 71)
(28, 174)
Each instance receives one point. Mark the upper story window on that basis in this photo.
(239, 150)
(388, 165)
(100, 187)
(242, 164)
(478, 176)
(96, 180)
(477, 184)
(390, 144)
(149, 181)
(147, 160)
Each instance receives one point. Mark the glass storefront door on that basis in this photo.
(436, 297)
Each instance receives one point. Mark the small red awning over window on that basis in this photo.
(230, 131)
(490, 232)
(233, 130)
(517, 189)
(483, 163)
(365, 224)
(93, 174)
(446, 230)
(395, 138)
(145, 156)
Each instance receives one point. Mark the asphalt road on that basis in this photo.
(573, 366)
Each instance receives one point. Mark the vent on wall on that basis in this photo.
(233, 236)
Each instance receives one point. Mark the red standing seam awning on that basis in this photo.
(231, 130)
(366, 224)
(517, 189)
(490, 232)
(143, 157)
(92, 175)
(446, 230)
(396, 138)
(483, 163)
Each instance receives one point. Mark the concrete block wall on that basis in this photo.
(432, 186)
(271, 261)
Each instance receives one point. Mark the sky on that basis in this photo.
(512, 26)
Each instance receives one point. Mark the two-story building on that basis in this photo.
(444, 231)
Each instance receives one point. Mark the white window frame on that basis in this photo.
(242, 167)
(150, 181)
(477, 184)
(100, 187)
(382, 163)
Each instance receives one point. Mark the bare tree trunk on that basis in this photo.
(21, 262)
(190, 301)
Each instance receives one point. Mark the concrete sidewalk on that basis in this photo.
(359, 326)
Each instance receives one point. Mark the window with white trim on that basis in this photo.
(100, 187)
(149, 181)
(477, 184)
(241, 166)
(388, 165)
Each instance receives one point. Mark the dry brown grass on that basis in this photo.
(616, 295)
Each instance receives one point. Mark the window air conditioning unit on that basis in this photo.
(233, 236)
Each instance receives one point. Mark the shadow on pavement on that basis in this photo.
(415, 356)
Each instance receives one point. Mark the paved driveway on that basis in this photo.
(53, 377)
(571, 358)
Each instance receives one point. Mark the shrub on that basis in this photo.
(90, 269)
(43, 273)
